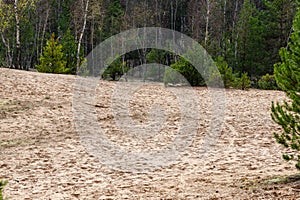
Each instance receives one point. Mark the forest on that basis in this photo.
(244, 36)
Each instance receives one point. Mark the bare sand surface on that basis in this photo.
(42, 156)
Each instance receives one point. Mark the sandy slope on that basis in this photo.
(42, 156)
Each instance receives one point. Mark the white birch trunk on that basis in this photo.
(82, 32)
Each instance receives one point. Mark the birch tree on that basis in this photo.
(17, 59)
(85, 6)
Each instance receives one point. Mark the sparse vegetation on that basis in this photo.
(2, 185)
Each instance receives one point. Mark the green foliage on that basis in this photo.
(52, 59)
(3, 61)
(243, 82)
(277, 17)
(113, 19)
(287, 75)
(247, 33)
(156, 56)
(115, 70)
(155, 73)
(2, 185)
(69, 49)
(65, 19)
(225, 71)
(173, 77)
(267, 82)
(27, 51)
(188, 71)
(83, 69)
(250, 46)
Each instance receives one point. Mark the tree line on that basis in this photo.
(247, 34)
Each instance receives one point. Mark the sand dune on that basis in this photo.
(43, 156)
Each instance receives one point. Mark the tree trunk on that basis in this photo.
(237, 33)
(17, 59)
(9, 57)
(224, 30)
(82, 32)
(44, 27)
(235, 15)
(207, 22)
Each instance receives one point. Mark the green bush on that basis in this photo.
(172, 77)
(187, 71)
(226, 73)
(115, 70)
(155, 73)
(243, 83)
(2, 185)
(83, 69)
(156, 56)
(267, 82)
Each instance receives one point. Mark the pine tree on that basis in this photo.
(69, 49)
(186, 69)
(287, 74)
(113, 21)
(115, 69)
(226, 72)
(52, 58)
(278, 17)
(243, 83)
(250, 50)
